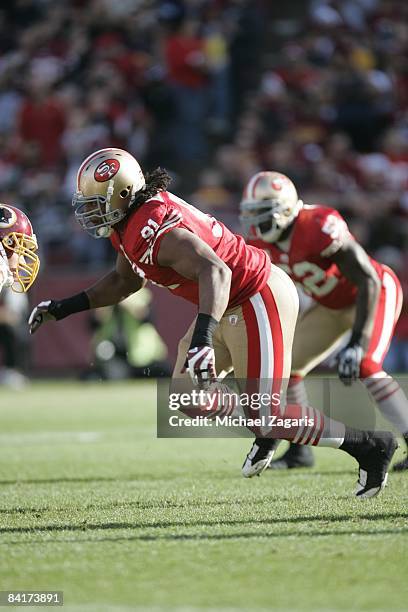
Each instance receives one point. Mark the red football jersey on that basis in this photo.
(139, 241)
(318, 233)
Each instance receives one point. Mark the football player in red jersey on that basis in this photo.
(247, 308)
(351, 291)
(19, 262)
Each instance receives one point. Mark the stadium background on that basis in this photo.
(213, 90)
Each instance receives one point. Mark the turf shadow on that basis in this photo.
(200, 523)
(148, 476)
(154, 505)
(220, 537)
(143, 505)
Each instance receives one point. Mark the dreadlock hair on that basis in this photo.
(157, 180)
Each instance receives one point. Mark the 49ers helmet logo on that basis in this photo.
(279, 182)
(7, 217)
(106, 170)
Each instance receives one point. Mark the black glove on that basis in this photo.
(348, 363)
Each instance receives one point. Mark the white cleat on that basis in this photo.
(259, 457)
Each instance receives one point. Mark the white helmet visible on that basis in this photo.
(269, 205)
(107, 184)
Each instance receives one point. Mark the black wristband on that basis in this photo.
(356, 338)
(63, 308)
(203, 331)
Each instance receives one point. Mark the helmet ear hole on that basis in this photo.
(125, 192)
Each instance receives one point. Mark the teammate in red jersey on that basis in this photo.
(351, 292)
(19, 262)
(247, 308)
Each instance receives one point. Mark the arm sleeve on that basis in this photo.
(150, 231)
(173, 220)
(333, 233)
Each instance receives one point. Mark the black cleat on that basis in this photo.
(401, 465)
(373, 460)
(297, 456)
(259, 457)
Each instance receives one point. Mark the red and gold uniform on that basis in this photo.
(319, 232)
(255, 335)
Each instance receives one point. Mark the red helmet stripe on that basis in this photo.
(258, 178)
(250, 189)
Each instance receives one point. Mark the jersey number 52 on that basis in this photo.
(312, 278)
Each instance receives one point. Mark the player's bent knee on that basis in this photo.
(295, 377)
(298, 371)
(368, 368)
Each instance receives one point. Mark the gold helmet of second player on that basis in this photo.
(269, 205)
(107, 184)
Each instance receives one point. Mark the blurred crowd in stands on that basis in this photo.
(213, 90)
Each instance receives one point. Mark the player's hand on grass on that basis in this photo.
(348, 363)
(200, 363)
(42, 313)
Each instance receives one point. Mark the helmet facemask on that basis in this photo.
(266, 219)
(269, 205)
(24, 262)
(94, 213)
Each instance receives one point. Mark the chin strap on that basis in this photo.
(104, 232)
(271, 235)
(109, 194)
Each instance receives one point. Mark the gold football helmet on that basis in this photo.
(107, 184)
(269, 205)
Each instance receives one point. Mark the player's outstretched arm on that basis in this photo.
(109, 290)
(355, 264)
(194, 259)
(116, 286)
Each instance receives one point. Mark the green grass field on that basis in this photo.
(94, 505)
